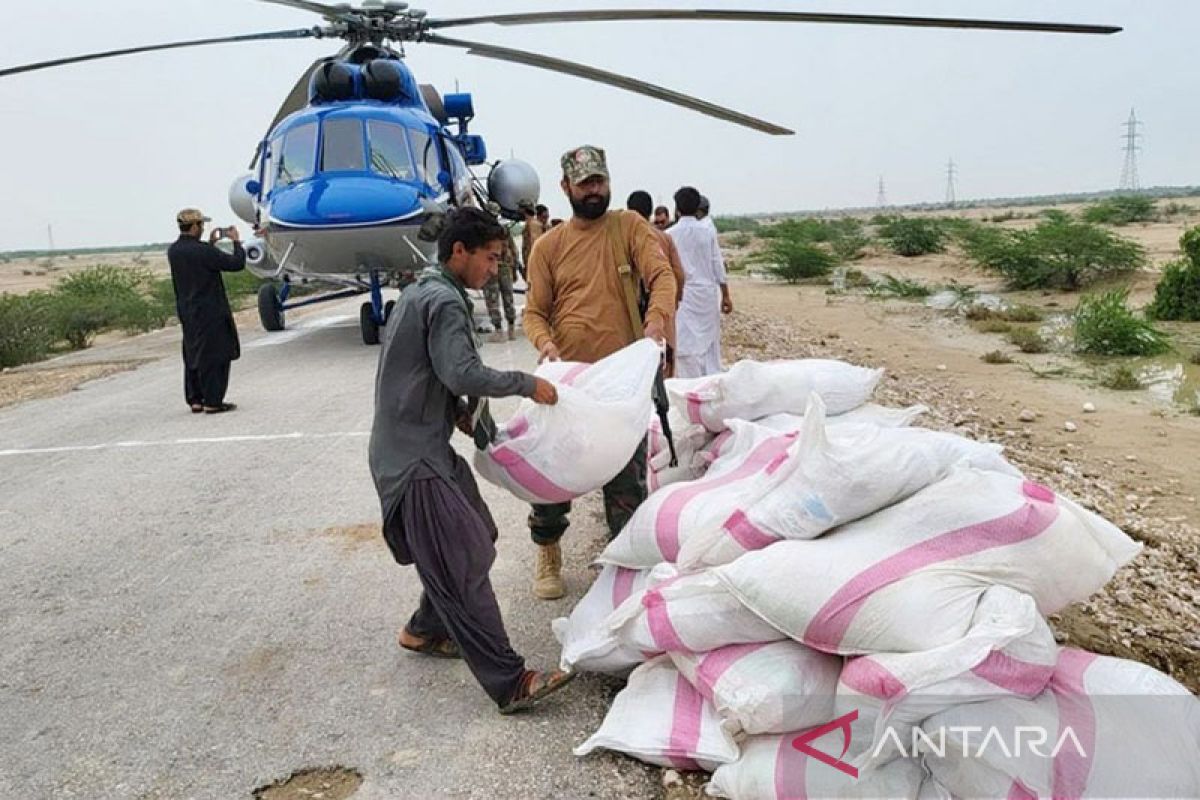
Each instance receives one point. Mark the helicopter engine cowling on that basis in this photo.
(242, 200)
(512, 183)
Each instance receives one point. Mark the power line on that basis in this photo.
(951, 174)
(1129, 172)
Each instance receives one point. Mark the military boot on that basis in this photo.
(547, 578)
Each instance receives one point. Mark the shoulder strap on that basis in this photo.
(625, 273)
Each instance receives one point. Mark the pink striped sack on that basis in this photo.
(689, 613)
(910, 577)
(834, 474)
(775, 768)
(551, 454)
(1009, 651)
(1105, 728)
(660, 719)
(587, 643)
(769, 687)
(656, 530)
(755, 389)
(690, 439)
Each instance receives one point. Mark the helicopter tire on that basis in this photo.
(368, 325)
(388, 307)
(270, 310)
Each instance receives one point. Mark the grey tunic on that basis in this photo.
(429, 360)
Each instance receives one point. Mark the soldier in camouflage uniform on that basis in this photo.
(500, 288)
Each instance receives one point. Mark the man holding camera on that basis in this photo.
(210, 339)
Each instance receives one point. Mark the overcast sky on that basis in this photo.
(107, 151)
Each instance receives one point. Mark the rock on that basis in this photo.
(1027, 415)
(671, 778)
(1070, 427)
(1089, 408)
(1131, 458)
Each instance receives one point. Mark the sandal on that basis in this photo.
(197, 408)
(438, 648)
(534, 686)
(221, 409)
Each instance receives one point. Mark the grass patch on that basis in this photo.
(1121, 378)
(993, 326)
(891, 286)
(996, 357)
(1028, 341)
(1022, 313)
(740, 240)
(1104, 325)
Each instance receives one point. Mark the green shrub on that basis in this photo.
(913, 236)
(740, 240)
(1028, 341)
(102, 298)
(1058, 254)
(731, 224)
(1022, 313)
(26, 328)
(1121, 210)
(793, 261)
(891, 286)
(1104, 325)
(1177, 295)
(996, 357)
(1122, 379)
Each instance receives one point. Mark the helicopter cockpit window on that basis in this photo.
(294, 161)
(341, 145)
(462, 173)
(426, 157)
(389, 150)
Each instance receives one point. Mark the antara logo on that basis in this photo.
(802, 743)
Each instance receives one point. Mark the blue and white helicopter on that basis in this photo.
(360, 156)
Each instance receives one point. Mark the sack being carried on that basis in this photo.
(552, 454)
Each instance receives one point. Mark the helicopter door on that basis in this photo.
(460, 173)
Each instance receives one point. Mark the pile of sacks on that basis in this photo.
(818, 595)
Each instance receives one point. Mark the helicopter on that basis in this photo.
(360, 157)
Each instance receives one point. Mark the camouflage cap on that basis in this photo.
(584, 162)
(190, 216)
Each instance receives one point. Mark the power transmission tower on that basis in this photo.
(951, 173)
(1129, 173)
(881, 198)
(50, 236)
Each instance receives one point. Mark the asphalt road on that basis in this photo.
(195, 606)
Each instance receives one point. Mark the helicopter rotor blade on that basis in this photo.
(610, 78)
(304, 33)
(617, 15)
(331, 13)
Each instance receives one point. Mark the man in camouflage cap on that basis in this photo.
(576, 309)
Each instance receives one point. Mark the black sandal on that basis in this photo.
(534, 686)
(438, 648)
(221, 409)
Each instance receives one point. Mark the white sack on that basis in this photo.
(690, 613)
(1113, 728)
(587, 643)
(660, 719)
(869, 414)
(772, 768)
(910, 577)
(834, 475)
(690, 440)
(1009, 651)
(773, 687)
(659, 525)
(753, 389)
(551, 454)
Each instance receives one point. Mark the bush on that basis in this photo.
(1022, 314)
(1058, 254)
(26, 328)
(891, 286)
(1028, 341)
(731, 224)
(1121, 210)
(1177, 296)
(740, 240)
(913, 236)
(794, 261)
(1122, 378)
(993, 326)
(996, 357)
(1104, 325)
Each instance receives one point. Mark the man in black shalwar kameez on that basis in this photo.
(210, 339)
(434, 517)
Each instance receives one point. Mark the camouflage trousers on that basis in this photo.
(497, 289)
(622, 495)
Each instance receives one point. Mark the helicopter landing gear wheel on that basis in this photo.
(388, 307)
(368, 325)
(270, 309)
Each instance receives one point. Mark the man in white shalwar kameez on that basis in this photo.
(705, 292)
